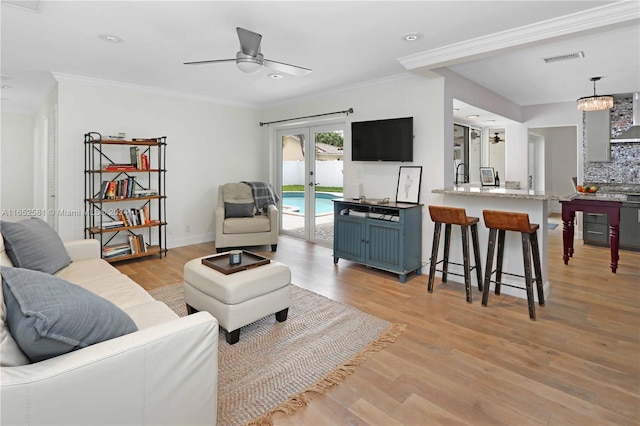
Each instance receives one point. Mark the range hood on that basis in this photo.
(633, 133)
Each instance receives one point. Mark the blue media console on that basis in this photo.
(384, 236)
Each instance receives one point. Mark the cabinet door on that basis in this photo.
(598, 135)
(385, 245)
(349, 238)
(630, 226)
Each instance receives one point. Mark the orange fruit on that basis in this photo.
(580, 188)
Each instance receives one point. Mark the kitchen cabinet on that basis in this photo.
(384, 236)
(596, 228)
(597, 135)
(630, 226)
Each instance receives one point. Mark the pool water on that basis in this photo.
(294, 202)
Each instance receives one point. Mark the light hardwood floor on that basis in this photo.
(578, 364)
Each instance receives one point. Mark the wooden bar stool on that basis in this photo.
(499, 222)
(455, 216)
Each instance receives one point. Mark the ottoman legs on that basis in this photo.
(233, 337)
(282, 315)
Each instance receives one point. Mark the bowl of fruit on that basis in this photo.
(587, 189)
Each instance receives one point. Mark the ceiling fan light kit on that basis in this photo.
(249, 64)
(595, 102)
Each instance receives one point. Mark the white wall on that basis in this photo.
(207, 145)
(409, 95)
(560, 160)
(16, 165)
(556, 115)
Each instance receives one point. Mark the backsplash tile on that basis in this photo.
(623, 171)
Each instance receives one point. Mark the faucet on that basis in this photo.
(464, 176)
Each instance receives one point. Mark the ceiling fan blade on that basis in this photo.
(287, 68)
(209, 61)
(249, 41)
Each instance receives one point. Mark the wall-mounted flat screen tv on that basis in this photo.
(382, 140)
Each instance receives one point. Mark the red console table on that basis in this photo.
(609, 207)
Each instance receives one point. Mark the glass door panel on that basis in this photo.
(325, 180)
(292, 143)
(311, 176)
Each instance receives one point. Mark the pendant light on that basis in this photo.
(595, 102)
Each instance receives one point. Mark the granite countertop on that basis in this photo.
(490, 191)
(610, 194)
(599, 196)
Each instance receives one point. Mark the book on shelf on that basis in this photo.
(137, 244)
(116, 250)
(119, 167)
(103, 189)
(118, 189)
(112, 224)
(145, 192)
(111, 190)
(135, 217)
(134, 156)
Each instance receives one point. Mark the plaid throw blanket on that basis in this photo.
(263, 195)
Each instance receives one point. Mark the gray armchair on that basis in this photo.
(238, 225)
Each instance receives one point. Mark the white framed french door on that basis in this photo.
(311, 175)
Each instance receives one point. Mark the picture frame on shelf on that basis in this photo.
(409, 180)
(487, 176)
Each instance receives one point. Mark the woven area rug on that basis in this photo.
(279, 366)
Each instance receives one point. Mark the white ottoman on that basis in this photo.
(240, 298)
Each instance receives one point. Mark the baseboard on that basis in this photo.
(174, 241)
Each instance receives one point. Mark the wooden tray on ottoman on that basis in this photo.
(221, 263)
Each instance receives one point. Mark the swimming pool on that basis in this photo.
(293, 202)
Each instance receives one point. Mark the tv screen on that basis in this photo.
(382, 140)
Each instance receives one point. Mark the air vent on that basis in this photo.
(566, 57)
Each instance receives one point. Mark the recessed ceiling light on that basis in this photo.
(5, 86)
(110, 38)
(275, 76)
(490, 121)
(473, 116)
(412, 37)
(456, 109)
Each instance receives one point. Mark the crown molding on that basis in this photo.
(136, 88)
(590, 19)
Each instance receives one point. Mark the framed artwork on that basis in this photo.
(487, 176)
(409, 178)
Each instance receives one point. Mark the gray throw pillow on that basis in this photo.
(238, 210)
(48, 316)
(33, 244)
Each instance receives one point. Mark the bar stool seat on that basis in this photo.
(498, 223)
(454, 216)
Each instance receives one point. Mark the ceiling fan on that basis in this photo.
(250, 60)
(496, 138)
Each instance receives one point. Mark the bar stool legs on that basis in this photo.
(498, 223)
(456, 216)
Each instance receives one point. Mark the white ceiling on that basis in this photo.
(345, 43)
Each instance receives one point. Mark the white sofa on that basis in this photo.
(164, 373)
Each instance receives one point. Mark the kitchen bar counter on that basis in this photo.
(474, 199)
